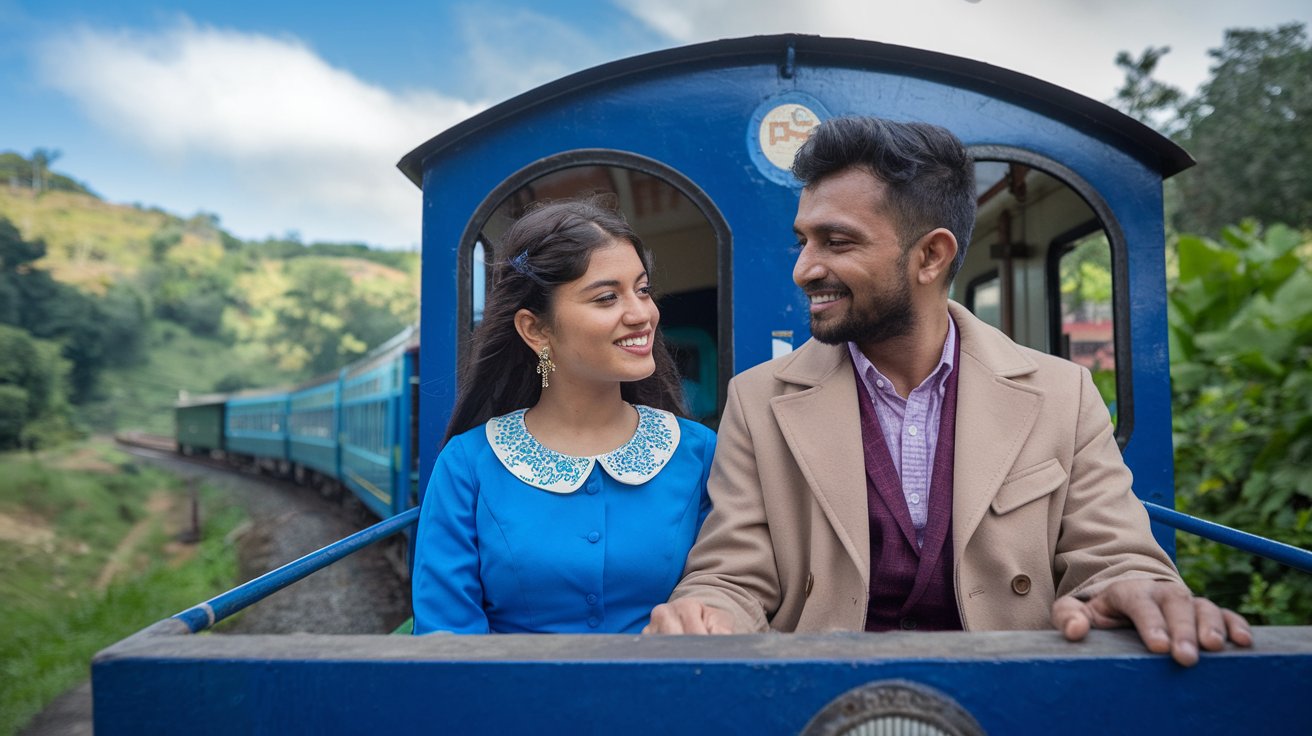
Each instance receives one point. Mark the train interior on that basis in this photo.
(684, 257)
(1039, 267)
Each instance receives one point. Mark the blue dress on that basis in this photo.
(514, 537)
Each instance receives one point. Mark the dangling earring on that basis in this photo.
(545, 366)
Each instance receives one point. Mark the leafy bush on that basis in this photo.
(1241, 347)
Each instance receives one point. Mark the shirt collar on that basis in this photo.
(864, 367)
(633, 463)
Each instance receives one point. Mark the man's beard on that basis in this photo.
(885, 317)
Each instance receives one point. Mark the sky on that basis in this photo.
(287, 118)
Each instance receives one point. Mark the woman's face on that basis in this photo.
(603, 324)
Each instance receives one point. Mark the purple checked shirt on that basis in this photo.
(910, 425)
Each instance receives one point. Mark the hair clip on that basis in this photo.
(520, 263)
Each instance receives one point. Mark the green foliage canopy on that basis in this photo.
(1240, 328)
(1249, 127)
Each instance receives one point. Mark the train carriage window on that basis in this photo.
(687, 237)
(1042, 265)
(982, 296)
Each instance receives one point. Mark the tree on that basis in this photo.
(1249, 127)
(33, 403)
(1142, 97)
(42, 158)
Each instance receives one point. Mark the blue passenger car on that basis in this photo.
(312, 425)
(255, 426)
(377, 408)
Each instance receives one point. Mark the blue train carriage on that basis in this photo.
(695, 142)
(313, 425)
(378, 413)
(255, 429)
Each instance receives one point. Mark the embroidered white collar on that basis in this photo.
(633, 463)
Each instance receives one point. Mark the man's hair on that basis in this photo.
(929, 175)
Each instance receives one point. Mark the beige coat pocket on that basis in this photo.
(1027, 485)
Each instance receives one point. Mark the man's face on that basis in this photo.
(852, 265)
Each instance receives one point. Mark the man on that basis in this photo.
(911, 467)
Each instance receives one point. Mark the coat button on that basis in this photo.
(594, 536)
(908, 623)
(1020, 585)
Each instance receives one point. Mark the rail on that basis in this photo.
(1285, 554)
(204, 615)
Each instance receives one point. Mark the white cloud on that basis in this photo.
(314, 146)
(1072, 43)
(511, 50)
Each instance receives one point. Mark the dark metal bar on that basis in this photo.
(1285, 554)
(204, 615)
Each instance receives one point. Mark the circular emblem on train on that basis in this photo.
(893, 707)
(778, 128)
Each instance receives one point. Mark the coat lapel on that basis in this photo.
(994, 417)
(822, 427)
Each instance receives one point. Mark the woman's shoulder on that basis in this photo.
(472, 442)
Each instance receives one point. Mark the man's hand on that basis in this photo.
(1167, 616)
(686, 616)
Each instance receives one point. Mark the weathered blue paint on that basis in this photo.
(205, 615)
(1012, 683)
(1285, 554)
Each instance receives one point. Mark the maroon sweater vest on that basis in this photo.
(910, 587)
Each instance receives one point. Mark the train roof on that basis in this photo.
(792, 50)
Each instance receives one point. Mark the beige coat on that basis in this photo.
(1041, 506)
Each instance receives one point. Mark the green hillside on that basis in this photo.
(133, 305)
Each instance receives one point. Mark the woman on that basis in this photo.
(568, 492)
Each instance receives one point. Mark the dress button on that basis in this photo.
(591, 599)
(593, 537)
(592, 488)
(594, 622)
(909, 624)
(1020, 585)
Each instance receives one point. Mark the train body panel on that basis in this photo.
(377, 407)
(256, 426)
(313, 427)
(199, 425)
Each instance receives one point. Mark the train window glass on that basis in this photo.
(1039, 268)
(1087, 328)
(982, 295)
(478, 269)
(685, 251)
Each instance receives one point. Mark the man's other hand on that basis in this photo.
(686, 616)
(1167, 616)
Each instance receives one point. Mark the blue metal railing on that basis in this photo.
(1285, 554)
(202, 616)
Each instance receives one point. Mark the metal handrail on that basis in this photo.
(1285, 554)
(204, 615)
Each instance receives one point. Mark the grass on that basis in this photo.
(142, 396)
(69, 583)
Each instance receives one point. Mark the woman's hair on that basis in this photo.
(549, 246)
